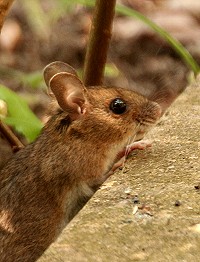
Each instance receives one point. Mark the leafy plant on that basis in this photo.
(19, 114)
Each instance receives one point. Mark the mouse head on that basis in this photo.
(98, 113)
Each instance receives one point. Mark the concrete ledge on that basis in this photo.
(165, 224)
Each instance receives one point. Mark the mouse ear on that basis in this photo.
(57, 67)
(69, 92)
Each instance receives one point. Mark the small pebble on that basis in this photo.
(195, 228)
(136, 200)
(127, 191)
(135, 209)
(177, 203)
(127, 221)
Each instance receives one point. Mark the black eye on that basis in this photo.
(118, 106)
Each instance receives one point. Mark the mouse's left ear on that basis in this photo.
(68, 90)
(57, 67)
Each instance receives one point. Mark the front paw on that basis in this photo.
(121, 157)
(141, 144)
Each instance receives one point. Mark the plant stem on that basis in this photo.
(99, 39)
(10, 137)
(4, 8)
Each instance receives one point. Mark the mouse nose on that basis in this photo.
(149, 113)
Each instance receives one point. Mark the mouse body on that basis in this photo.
(45, 184)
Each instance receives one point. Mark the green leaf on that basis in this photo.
(19, 114)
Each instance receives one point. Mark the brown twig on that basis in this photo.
(4, 8)
(10, 137)
(99, 39)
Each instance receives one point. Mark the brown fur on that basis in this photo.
(45, 184)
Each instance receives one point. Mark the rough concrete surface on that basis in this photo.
(150, 210)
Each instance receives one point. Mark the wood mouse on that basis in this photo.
(45, 184)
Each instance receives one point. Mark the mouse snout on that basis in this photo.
(149, 113)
